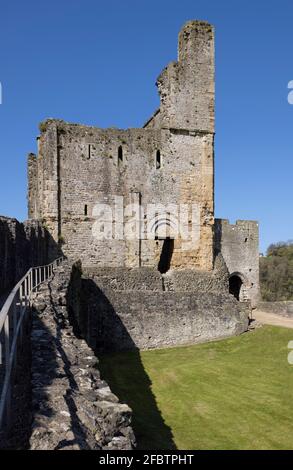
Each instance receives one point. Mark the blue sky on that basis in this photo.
(96, 63)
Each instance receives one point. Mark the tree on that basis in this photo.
(276, 272)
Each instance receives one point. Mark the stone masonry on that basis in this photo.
(124, 292)
(72, 408)
(79, 166)
(168, 161)
(118, 309)
(22, 245)
(238, 244)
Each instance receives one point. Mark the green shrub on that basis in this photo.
(276, 272)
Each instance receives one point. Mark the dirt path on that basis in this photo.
(272, 319)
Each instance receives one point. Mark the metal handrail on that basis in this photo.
(11, 325)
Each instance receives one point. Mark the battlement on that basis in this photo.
(239, 223)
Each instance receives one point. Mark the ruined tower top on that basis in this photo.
(186, 87)
(195, 42)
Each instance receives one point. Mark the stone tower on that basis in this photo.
(136, 206)
(169, 162)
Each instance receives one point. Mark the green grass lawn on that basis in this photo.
(230, 394)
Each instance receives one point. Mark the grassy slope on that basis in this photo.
(230, 394)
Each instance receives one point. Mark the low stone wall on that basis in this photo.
(121, 321)
(72, 407)
(121, 279)
(148, 279)
(115, 312)
(22, 245)
(284, 308)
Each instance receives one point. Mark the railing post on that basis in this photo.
(7, 357)
(15, 316)
(6, 340)
(25, 287)
(30, 283)
(14, 313)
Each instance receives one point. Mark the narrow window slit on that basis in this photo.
(120, 154)
(158, 160)
(85, 209)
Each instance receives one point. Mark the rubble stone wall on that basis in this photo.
(22, 245)
(72, 407)
(114, 311)
(239, 245)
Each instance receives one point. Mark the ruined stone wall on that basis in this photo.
(146, 320)
(22, 245)
(187, 86)
(239, 246)
(80, 166)
(115, 311)
(149, 279)
(72, 407)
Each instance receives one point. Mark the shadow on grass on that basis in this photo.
(127, 378)
(121, 366)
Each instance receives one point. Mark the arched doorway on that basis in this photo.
(235, 285)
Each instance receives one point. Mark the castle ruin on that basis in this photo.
(148, 265)
(160, 280)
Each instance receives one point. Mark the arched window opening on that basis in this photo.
(235, 285)
(120, 154)
(158, 160)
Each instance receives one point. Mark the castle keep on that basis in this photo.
(147, 263)
(149, 288)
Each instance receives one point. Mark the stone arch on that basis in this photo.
(238, 286)
(163, 227)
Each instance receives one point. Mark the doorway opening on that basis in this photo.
(235, 285)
